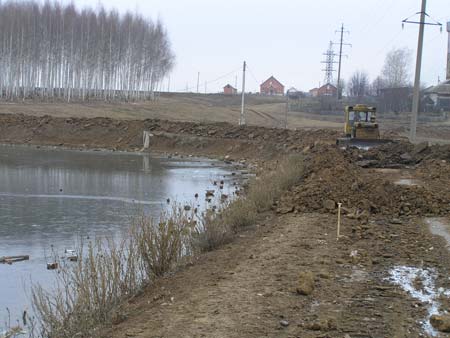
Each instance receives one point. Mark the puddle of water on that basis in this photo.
(406, 276)
(387, 171)
(439, 226)
(399, 176)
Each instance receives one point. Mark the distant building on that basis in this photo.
(439, 96)
(229, 90)
(293, 93)
(396, 100)
(327, 90)
(272, 87)
(314, 92)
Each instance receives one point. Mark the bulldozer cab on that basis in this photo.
(361, 127)
(360, 122)
(361, 116)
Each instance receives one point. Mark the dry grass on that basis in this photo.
(218, 227)
(89, 293)
(269, 187)
(162, 245)
(211, 231)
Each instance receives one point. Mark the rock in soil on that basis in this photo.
(284, 323)
(329, 204)
(322, 325)
(305, 284)
(441, 322)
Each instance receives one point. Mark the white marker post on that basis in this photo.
(339, 222)
(146, 139)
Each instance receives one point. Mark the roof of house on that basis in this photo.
(272, 78)
(442, 89)
(328, 84)
(229, 86)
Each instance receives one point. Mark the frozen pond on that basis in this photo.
(49, 199)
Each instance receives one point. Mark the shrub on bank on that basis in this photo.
(89, 294)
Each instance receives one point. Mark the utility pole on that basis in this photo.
(198, 81)
(205, 86)
(168, 85)
(242, 118)
(286, 112)
(416, 92)
(235, 82)
(340, 43)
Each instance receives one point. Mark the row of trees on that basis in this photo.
(51, 50)
(394, 74)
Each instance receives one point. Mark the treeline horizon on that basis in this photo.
(54, 51)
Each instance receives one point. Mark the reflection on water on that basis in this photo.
(49, 199)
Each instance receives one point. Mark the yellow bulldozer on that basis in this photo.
(361, 127)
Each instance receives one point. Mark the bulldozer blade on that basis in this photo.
(361, 143)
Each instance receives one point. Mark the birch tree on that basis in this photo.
(53, 51)
(396, 68)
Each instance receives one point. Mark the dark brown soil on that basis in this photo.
(333, 177)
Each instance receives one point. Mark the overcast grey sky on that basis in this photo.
(286, 38)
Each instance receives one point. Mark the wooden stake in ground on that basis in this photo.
(338, 234)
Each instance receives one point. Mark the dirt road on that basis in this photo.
(248, 289)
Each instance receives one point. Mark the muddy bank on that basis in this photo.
(335, 176)
(208, 139)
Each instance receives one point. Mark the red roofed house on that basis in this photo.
(272, 87)
(327, 90)
(229, 90)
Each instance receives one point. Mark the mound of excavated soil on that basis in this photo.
(398, 154)
(331, 178)
(184, 137)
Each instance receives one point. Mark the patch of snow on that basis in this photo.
(404, 276)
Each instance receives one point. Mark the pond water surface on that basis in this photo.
(52, 198)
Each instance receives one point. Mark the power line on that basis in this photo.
(392, 40)
(374, 23)
(214, 80)
(253, 75)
